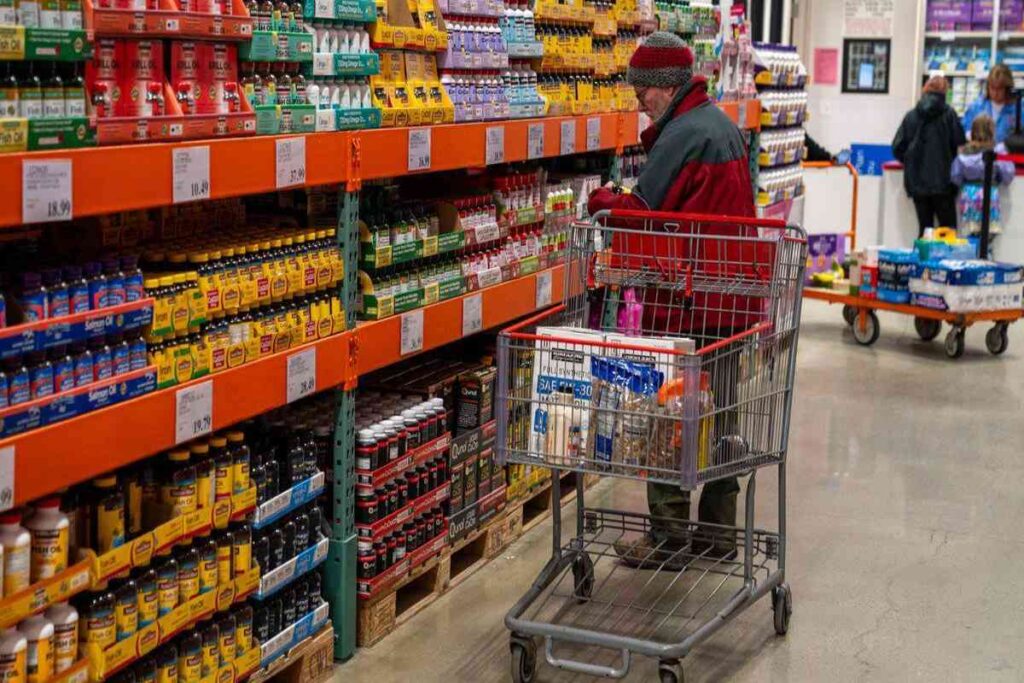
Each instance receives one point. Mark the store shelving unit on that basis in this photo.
(120, 178)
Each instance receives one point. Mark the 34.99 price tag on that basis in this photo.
(472, 315)
(193, 412)
(46, 191)
(568, 139)
(412, 332)
(543, 289)
(419, 149)
(535, 141)
(301, 378)
(6, 478)
(190, 173)
(291, 162)
(593, 133)
(495, 151)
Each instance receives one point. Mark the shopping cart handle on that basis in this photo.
(585, 667)
(697, 217)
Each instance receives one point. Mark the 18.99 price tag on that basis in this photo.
(593, 133)
(412, 332)
(472, 315)
(46, 191)
(193, 412)
(568, 140)
(6, 478)
(301, 378)
(419, 149)
(495, 153)
(190, 173)
(291, 162)
(535, 141)
(543, 289)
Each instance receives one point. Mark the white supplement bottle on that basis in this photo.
(38, 631)
(12, 656)
(17, 550)
(49, 529)
(65, 635)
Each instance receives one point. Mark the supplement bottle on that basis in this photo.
(108, 523)
(241, 549)
(190, 657)
(225, 571)
(126, 608)
(145, 671)
(65, 635)
(243, 630)
(239, 462)
(78, 290)
(148, 597)
(178, 489)
(12, 656)
(96, 618)
(188, 573)
(39, 653)
(226, 646)
(208, 573)
(205, 475)
(167, 585)
(17, 553)
(49, 529)
(210, 654)
(223, 470)
(134, 494)
(167, 664)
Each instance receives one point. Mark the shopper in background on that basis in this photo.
(926, 143)
(996, 102)
(696, 163)
(968, 173)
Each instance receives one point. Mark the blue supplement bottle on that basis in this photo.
(58, 303)
(78, 289)
(32, 297)
(115, 281)
(18, 390)
(137, 354)
(120, 355)
(83, 371)
(40, 376)
(3, 311)
(63, 370)
(97, 285)
(3, 389)
(133, 290)
(102, 360)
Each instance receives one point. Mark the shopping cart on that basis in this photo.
(699, 389)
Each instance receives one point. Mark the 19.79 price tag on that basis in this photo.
(412, 332)
(193, 412)
(535, 141)
(495, 151)
(301, 379)
(543, 289)
(419, 149)
(46, 191)
(568, 141)
(593, 133)
(291, 162)
(472, 315)
(190, 173)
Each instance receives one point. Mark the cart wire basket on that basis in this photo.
(671, 360)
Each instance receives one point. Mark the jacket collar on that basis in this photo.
(690, 96)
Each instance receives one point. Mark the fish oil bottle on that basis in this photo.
(49, 529)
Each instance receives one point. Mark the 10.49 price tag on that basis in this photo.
(190, 173)
(193, 412)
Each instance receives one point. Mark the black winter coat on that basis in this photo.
(926, 144)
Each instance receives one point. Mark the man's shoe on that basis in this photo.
(719, 549)
(646, 553)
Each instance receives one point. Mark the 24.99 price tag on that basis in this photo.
(46, 191)
(568, 140)
(419, 149)
(495, 151)
(291, 162)
(412, 332)
(301, 378)
(190, 173)
(472, 315)
(193, 412)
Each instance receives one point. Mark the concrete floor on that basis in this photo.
(905, 490)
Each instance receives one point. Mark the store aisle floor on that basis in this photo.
(906, 491)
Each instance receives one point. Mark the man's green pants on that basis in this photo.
(717, 506)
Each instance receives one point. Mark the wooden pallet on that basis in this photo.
(382, 615)
(474, 551)
(535, 506)
(311, 661)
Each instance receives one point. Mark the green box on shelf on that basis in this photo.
(277, 46)
(364, 11)
(355, 119)
(364, 64)
(373, 256)
(302, 118)
(55, 44)
(63, 133)
(529, 264)
(375, 308)
(268, 119)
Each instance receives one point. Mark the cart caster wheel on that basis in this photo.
(524, 660)
(869, 335)
(955, 342)
(583, 577)
(927, 329)
(782, 606)
(670, 672)
(997, 339)
(849, 314)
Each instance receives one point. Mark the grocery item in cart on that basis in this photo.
(668, 439)
(557, 363)
(622, 408)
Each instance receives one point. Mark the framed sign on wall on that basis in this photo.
(866, 65)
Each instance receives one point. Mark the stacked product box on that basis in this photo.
(1011, 13)
(950, 15)
(965, 286)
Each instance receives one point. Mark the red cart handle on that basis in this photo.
(701, 218)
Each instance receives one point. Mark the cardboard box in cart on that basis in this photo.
(557, 364)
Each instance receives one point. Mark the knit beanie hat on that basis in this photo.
(662, 61)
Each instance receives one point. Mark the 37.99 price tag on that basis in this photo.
(46, 191)
(301, 378)
(472, 315)
(412, 332)
(190, 173)
(535, 141)
(568, 139)
(6, 478)
(593, 133)
(291, 162)
(419, 149)
(193, 412)
(543, 289)
(495, 151)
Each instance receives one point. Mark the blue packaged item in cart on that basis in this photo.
(1009, 273)
(961, 272)
(895, 268)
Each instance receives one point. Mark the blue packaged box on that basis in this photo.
(953, 272)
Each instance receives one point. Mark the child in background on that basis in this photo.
(968, 173)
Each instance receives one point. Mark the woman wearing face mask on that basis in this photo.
(997, 102)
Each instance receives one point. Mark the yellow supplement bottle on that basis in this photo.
(205, 475)
(240, 457)
(223, 480)
(39, 651)
(178, 485)
(49, 529)
(209, 576)
(126, 608)
(65, 635)
(225, 572)
(211, 655)
(188, 573)
(96, 618)
(13, 648)
(190, 658)
(167, 664)
(17, 553)
(241, 549)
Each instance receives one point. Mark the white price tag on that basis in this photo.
(472, 315)
(419, 149)
(324, 9)
(190, 172)
(535, 141)
(6, 478)
(291, 162)
(412, 332)
(46, 191)
(326, 120)
(320, 553)
(301, 374)
(741, 114)
(323, 64)
(543, 289)
(495, 153)
(193, 412)
(568, 138)
(593, 133)
(489, 277)
(947, 36)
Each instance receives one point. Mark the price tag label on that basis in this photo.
(291, 162)
(535, 141)
(412, 332)
(419, 149)
(472, 315)
(568, 139)
(46, 191)
(190, 171)
(947, 36)
(193, 412)
(741, 114)
(543, 289)
(324, 9)
(323, 64)
(593, 133)
(6, 478)
(495, 153)
(301, 374)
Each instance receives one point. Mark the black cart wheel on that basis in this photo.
(583, 577)
(849, 314)
(524, 660)
(997, 338)
(670, 672)
(868, 335)
(782, 606)
(955, 342)
(927, 328)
